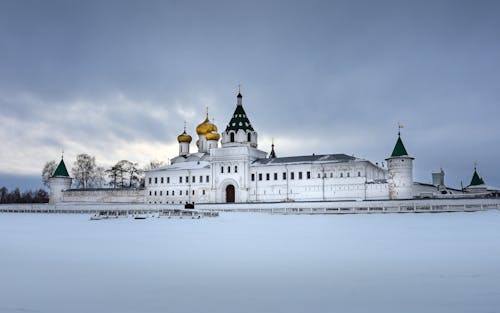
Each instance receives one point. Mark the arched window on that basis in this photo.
(249, 137)
(231, 137)
(229, 169)
(236, 168)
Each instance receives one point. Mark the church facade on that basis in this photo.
(238, 171)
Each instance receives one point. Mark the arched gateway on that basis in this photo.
(230, 194)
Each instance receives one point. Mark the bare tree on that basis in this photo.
(86, 173)
(153, 164)
(124, 174)
(47, 171)
(113, 174)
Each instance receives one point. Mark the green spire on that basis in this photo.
(399, 148)
(61, 170)
(272, 155)
(239, 119)
(476, 179)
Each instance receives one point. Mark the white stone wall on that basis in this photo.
(178, 186)
(316, 182)
(104, 196)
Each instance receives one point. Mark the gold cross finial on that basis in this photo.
(239, 88)
(62, 154)
(399, 128)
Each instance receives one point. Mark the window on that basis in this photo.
(284, 175)
(292, 175)
(300, 175)
(161, 193)
(231, 137)
(155, 192)
(167, 193)
(331, 174)
(193, 192)
(168, 180)
(249, 137)
(236, 168)
(348, 174)
(207, 179)
(187, 193)
(180, 193)
(203, 191)
(173, 192)
(193, 179)
(187, 179)
(308, 175)
(150, 180)
(275, 176)
(180, 179)
(359, 174)
(267, 176)
(161, 180)
(201, 179)
(341, 175)
(229, 169)
(260, 176)
(222, 169)
(253, 177)
(156, 180)
(150, 193)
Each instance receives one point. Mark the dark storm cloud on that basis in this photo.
(318, 76)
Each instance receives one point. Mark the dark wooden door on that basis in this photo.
(230, 193)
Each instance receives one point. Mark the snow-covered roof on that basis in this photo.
(307, 159)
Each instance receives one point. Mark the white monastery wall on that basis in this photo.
(104, 196)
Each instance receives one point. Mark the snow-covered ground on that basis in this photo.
(242, 262)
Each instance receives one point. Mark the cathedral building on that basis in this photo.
(238, 171)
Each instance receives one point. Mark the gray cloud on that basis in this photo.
(120, 77)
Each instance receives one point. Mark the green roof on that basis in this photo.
(239, 120)
(61, 170)
(476, 179)
(399, 149)
(272, 155)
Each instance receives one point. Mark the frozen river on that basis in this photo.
(447, 262)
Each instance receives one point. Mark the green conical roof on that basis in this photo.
(240, 119)
(399, 149)
(476, 179)
(61, 170)
(272, 155)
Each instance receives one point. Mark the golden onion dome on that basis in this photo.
(184, 137)
(206, 127)
(213, 136)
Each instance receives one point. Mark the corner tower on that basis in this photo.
(400, 172)
(239, 131)
(59, 182)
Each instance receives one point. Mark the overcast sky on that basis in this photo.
(117, 80)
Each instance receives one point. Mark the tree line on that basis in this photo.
(30, 196)
(86, 173)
